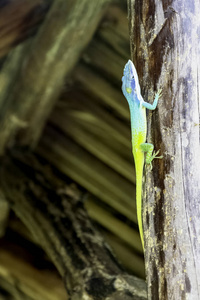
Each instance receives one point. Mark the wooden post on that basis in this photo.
(165, 47)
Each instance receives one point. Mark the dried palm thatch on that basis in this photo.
(61, 71)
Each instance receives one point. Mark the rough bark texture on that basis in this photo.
(165, 45)
(55, 215)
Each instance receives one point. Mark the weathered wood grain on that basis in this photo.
(166, 51)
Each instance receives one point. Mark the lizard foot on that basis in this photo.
(154, 155)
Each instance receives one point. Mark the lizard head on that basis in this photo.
(130, 82)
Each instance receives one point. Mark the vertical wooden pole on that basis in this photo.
(165, 47)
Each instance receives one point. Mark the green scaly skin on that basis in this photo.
(131, 90)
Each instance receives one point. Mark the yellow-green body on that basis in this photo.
(131, 90)
(138, 133)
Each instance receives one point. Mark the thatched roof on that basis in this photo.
(86, 132)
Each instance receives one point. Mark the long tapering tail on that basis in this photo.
(139, 164)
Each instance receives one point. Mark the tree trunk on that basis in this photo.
(165, 48)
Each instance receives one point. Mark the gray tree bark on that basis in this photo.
(165, 46)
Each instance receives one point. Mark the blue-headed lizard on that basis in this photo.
(137, 105)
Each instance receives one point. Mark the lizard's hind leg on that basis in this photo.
(148, 148)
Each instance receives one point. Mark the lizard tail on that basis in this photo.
(139, 164)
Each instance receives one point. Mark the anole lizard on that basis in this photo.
(137, 105)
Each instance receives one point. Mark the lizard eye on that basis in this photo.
(129, 90)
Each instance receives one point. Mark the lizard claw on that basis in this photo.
(154, 155)
(159, 93)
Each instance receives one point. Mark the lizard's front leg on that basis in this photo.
(153, 106)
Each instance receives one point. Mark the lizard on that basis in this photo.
(137, 105)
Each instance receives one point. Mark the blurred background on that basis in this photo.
(87, 138)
